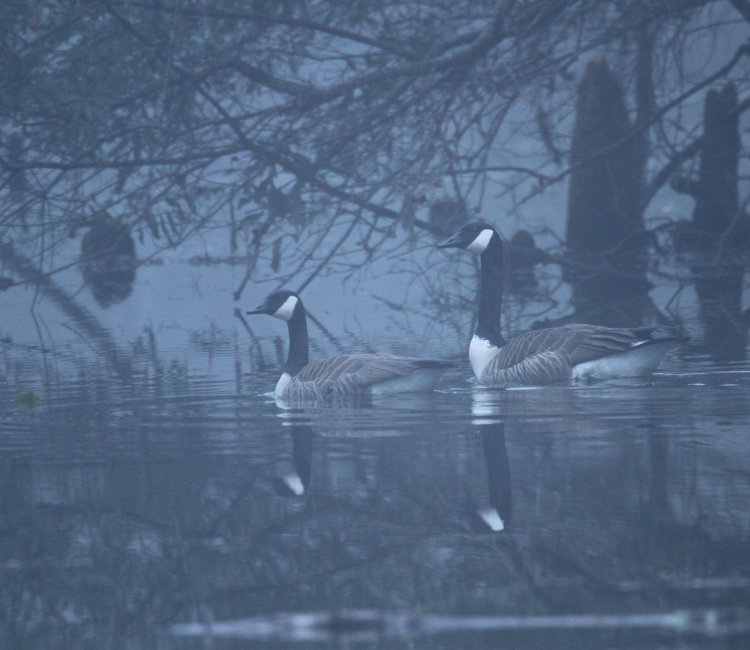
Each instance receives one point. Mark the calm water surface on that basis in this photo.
(167, 508)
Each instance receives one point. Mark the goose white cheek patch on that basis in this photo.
(287, 309)
(481, 241)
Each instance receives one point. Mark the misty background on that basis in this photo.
(323, 148)
(164, 166)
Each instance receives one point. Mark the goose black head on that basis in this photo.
(280, 304)
(474, 236)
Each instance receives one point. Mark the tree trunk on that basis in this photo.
(719, 230)
(605, 230)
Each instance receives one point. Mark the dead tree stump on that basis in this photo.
(606, 237)
(108, 261)
(718, 233)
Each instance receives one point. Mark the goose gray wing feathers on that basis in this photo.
(546, 355)
(351, 374)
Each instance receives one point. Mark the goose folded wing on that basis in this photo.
(600, 342)
(361, 369)
(550, 342)
(572, 343)
(538, 368)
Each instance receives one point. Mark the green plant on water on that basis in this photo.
(27, 400)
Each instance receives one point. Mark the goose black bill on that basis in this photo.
(454, 241)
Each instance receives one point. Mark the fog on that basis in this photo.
(163, 168)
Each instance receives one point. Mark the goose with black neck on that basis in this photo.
(576, 351)
(346, 375)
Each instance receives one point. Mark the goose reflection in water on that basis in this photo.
(294, 483)
(490, 513)
(485, 411)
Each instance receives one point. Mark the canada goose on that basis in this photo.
(344, 375)
(576, 351)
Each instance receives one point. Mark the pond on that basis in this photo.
(173, 504)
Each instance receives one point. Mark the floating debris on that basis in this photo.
(363, 624)
(27, 400)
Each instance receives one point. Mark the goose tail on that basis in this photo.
(659, 334)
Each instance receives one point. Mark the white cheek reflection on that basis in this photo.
(485, 406)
